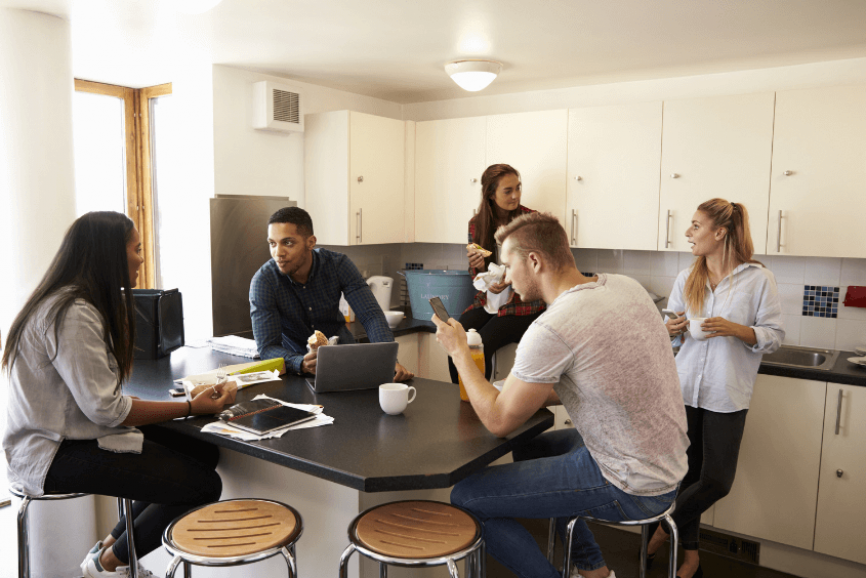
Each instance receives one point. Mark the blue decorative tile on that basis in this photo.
(820, 301)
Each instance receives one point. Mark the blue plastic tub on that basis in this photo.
(454, 288)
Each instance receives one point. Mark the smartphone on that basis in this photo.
(177, 392)
(439, 308)
(670, 313)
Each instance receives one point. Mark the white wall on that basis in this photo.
(256, 162)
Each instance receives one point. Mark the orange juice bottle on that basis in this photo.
(477, 349)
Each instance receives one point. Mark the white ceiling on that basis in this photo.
(396, 49)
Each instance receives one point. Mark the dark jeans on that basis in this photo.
(553, 476)
(715, 447)
(172, 475)
(495, 332)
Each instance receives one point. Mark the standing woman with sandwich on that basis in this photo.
(70, 428)
(498, 314)
(735, 300)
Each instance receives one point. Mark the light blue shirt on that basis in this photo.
(719, 373)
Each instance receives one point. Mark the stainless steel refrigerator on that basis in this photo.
(238, 248)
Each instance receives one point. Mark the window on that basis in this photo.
(114, 150)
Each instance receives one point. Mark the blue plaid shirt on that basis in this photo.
(285, 314)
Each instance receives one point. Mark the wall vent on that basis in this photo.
(730, 546)
(277, 107)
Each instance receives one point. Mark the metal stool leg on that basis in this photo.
(24, 540)
(452, 569)
(644, 542)
(130, 538)
(551, 538)
(675, 535)
(175, 562)
(569, 533)
(344, 560)
(187, 569)
(383, 570)
(290, 562)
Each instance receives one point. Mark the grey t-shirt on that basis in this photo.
(605, 347)
(76, 395)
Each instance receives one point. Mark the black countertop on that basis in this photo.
(435, 443)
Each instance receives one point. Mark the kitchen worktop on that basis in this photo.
(843, 371)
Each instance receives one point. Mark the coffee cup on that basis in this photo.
(394, 397)
(695, 328)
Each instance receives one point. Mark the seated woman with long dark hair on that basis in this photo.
(69, 427)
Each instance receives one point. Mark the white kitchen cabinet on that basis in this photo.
(840, 524)
(819, 173)
(449, 161)
(534, 143)
(715, 147)
(407, 354)
(353, 171)
(776, 485)
(614, 155)
(432, 359)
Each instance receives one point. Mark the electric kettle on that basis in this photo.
(381, 288)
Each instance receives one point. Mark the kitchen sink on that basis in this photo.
(804, 357)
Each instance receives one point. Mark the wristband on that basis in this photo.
(189, 408)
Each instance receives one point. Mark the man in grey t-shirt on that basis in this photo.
(602, 351)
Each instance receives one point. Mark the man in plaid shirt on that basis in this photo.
(298, 292)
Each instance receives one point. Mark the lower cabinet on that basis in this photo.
(841, 521)
(776, 487)
(407, 354)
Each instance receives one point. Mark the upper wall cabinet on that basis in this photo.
(449, 161)
(614, 154)
(534, 143)
(819, 173)
(353, 169)
(715, 147)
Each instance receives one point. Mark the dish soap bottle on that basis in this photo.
(473, 339)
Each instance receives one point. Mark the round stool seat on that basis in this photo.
(46, 496)
(235, 528)
(416, 530)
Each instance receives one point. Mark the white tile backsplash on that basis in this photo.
(822, 270)
(850, 333)
(586, 260)
(853, 272)
(792, 298)
(610, 260)
(786, 269)
(792, 329)
(665, 264)
(637, 263)
(686, 260)
(818, 332)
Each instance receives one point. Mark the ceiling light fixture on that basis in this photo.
(473, 75)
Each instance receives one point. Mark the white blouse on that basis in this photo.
(719, 373)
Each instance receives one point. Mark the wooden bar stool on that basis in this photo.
(232, 533)
(417, 533)
(666, 516)
(24, 528)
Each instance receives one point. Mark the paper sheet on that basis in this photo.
(221, 428)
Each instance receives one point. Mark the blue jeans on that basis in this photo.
(553, 476)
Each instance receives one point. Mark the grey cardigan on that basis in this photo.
(76, 395)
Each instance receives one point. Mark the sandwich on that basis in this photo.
(316, 340)
(478, 249)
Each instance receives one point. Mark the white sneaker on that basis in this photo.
(91, 569)
(574, 573)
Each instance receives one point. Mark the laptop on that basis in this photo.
(354, 366)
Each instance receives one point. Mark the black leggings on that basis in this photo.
(172, 475)
(495, 332)
(715, 447)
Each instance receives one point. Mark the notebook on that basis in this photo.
(263, 416)
(354, 366)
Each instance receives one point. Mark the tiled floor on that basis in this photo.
(621, 553)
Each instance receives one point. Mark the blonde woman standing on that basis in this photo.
(739, 300)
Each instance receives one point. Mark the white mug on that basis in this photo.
(695, 328)
(394, 397)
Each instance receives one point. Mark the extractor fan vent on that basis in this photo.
(277, 107)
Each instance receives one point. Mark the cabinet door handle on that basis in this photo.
(567, 422)
(675, 175)
(838, 411)
(358, 226)
(473, 181)
(573, 227)
(839, 473)
(361, 179)
(779, 234)
(668, 230)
